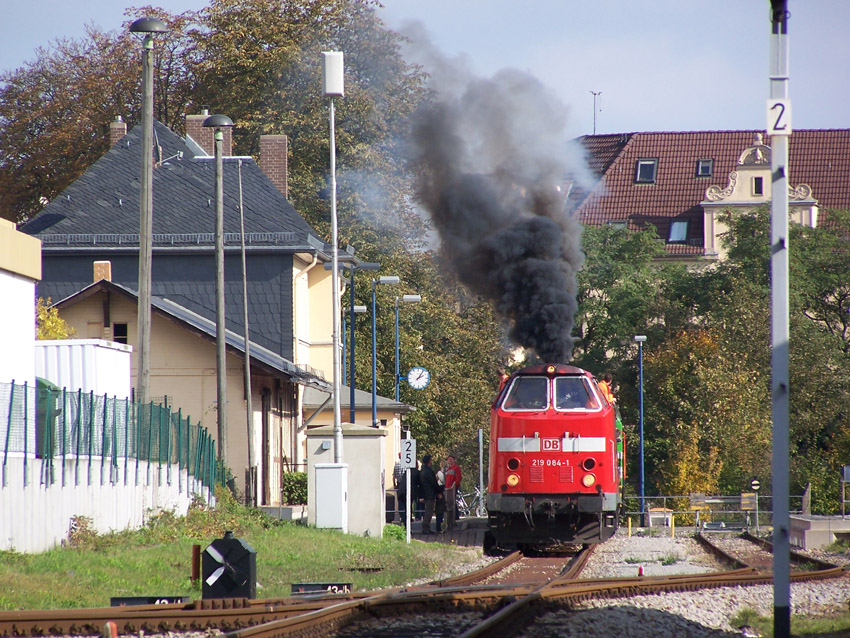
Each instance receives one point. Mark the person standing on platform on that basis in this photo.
(400, 484)
(453, 478)
(427, 492)
(440, 501)
(415, 505)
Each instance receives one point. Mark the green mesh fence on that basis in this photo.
(98, 437)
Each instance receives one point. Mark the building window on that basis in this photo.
(678, 231)
(119, 332)
(758, 186)
(619, 224)
(705, 167)
(645, 171)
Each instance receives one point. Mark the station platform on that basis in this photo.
(816, 532)
(468, 532)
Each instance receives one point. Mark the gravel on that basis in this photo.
(700, 613)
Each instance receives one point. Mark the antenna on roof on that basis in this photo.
(596, 94)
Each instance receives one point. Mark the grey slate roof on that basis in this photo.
(200, 325)
(97, 218)
(104, 201)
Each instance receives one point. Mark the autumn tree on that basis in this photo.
(48, 323)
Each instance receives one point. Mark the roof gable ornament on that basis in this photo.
(756, 155)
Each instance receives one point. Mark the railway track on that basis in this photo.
(494, 601)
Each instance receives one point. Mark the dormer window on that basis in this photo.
(678, 232)
(619, 224)
(705, 167)
(645, 171)
(758, 186)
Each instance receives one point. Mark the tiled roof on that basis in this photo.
(97, 218)
(819, 158)
(102, 206)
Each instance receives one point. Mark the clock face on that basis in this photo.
(418, 378)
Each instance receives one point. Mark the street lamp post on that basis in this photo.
(354, 310)
(403, 299)
(148, 27)
(218, 122)
(640, 339)
(333, 86)
(363, 265)
(390, 279)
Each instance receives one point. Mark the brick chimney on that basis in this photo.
(203, 137)
(273, 160)
(117, 130)
(102, 270)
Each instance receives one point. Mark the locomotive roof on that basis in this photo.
(560, 368)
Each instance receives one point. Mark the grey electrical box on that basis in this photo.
(229, 568)
(845, 474)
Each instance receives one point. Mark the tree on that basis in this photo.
(48, 323)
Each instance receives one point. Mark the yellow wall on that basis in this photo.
(19, 253)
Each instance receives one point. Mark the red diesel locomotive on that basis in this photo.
(556, 460)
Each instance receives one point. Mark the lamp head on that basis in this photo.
(388, 279)
(360, 309)
(640, 338)
(411, 298)
(148, 25)
(217, 121)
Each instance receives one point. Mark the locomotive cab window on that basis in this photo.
(574, 393)
(527, 393)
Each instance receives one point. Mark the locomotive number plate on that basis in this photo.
(547, 462)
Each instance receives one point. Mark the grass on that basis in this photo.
(824, 626)
(157, 560)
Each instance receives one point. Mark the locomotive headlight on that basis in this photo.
(513, 480)
(588, 464)
(587, 480)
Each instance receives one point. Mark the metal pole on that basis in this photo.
(480, 511)
(338, 455)
(374, 363)
(249, 407)
(221, 370)
(396, 350)
(407, 497)
(642, 496)
(351, 408)
(779, 316)
(145, 224)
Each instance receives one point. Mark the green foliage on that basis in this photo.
(157, 559)
(295, 488)
(395, 532)
(48, 323)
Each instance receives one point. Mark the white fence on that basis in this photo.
(36, 515)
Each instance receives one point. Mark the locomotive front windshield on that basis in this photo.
(528, 393)
(574, 393)
(532, 393)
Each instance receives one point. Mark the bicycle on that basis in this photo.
(473, 502)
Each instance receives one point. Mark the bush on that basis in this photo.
(295, 488)
(395, 532)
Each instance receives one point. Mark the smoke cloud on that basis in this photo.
(490, 156)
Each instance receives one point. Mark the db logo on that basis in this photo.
(551, 445)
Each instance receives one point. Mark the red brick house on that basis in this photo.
(680, 181)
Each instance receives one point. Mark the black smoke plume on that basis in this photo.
(489, 156)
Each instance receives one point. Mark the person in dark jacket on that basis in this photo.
(427, 492)
(415, 505)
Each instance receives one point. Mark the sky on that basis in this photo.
(665, 65)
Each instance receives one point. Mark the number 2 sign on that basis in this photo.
(779, 116)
